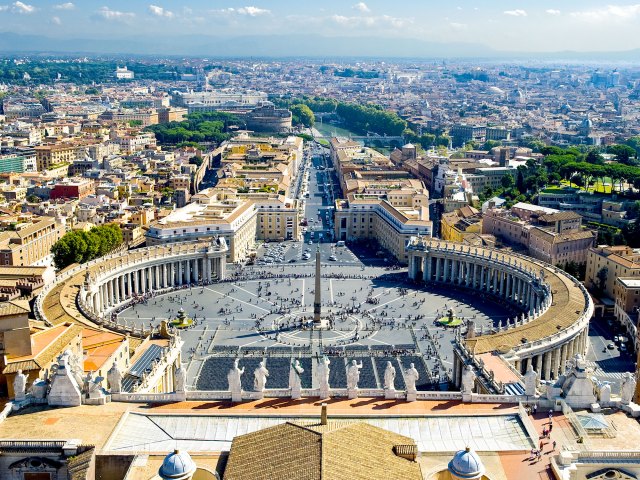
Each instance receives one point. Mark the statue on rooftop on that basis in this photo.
(627, 388)
(353, 375)
(389, 377)
(114, 377)
(233, 377)
(530, 380)
(322, 376)
(180, 379)
(468, 380)
(260, 375)
(295, 379)
(20, 385)
(411, 376)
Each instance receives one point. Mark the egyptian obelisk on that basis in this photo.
(317, 304)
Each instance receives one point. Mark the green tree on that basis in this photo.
(302, 115)
(507, 181)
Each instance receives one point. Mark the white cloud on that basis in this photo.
(516, 13)
(551, 11)
(252, 11)
(64, 6)
(115, 15)
(610, 12)
(370, 21)
(56, 20)
(4, 8)
(160, 12)
(458, 26)
(361, 7)
(19, 7)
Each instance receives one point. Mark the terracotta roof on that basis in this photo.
(309, 451)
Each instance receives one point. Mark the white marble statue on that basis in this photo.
(114, 377)
(322, 376)
(179, 379)
(604, 393)
(627, 388)
(260, 375)
(93, 386)
(295, 379)
(411, 376)
(468, 380)
(235, 384)
(389, 377)
(353, 375)
(20, 386)
(530, 381)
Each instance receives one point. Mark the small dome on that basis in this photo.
(409, 145)
(177, 466)
(466, 464)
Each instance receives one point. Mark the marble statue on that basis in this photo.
(530, 381)
(322, 376)
(604, 393)
(114, 377)
(389, 377)
(295, 379)
(468, 380)
(180, 379)
(93, 387)
(353, 375)
(411, 376)
(20, 386)
(235, 384)
(627, 388)
(260, 375)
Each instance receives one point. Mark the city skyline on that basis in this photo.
(477, 28)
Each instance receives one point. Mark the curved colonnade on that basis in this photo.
(90, 292)
(555, 307)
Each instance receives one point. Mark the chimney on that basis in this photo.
(323, 414)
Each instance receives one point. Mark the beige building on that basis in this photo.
(549, 235)
(605, 264)
(241, 218)
(375, 218)
(30, 243)
(55, 155)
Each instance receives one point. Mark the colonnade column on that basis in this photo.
(546, 360)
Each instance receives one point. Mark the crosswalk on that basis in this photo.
(601, 373)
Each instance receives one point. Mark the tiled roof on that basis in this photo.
(309, 451)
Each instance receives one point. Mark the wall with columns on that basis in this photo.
(555, 308)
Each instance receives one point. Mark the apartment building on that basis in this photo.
(606, 264)
(547, 234)
(462, 225)
(30, 242)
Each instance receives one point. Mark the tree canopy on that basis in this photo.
(79, 246)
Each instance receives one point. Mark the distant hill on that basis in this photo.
(290, 46)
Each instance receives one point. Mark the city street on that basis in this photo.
(608, 364)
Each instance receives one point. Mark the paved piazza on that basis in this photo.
(375, 315)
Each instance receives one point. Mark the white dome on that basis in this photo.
(177, 466)
(466, 464)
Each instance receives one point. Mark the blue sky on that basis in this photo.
(502, 25)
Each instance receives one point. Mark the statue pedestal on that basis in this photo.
(412, 396)
(236, 396)
(296, 394)
(323, 393)
(352, 393)
(257, 396)
(390, 394)
(466, 397)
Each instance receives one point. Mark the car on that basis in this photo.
(293, 260)
(610, 346)
(310, 242)
(333, 258)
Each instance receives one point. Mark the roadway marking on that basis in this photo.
(238, 300)
(253, 294)
(303, 292)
